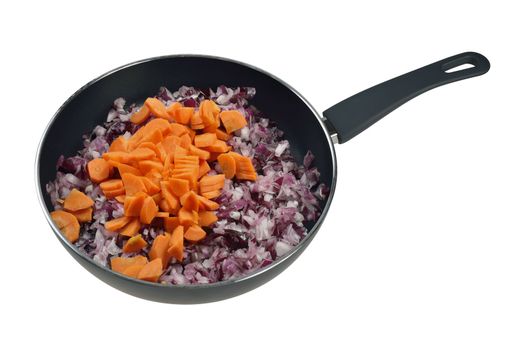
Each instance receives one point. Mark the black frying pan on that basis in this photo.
(137, 81)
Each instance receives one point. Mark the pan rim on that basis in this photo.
(296, 249)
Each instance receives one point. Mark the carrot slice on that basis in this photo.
(67, 223)
(178, 129)
(187, 217)
(146, 166)
(118, 223)
(244, 167)
(232, 120)
(151, 146)
(151, 271)
(157, 107)
(196, 121)
(207, 218)
(142, 153)
(84, 215)
(141, 115)
(118, 145)
(185, 141)
(131, 228)
(119, 264)
(183, 115)
(133, 184)
(77, 200)
(148, 211)
(176, 244)
(162, 214)
(190, 201)
(178, 187)
(211, 194)
(194, 233)
(118, 156)
(228, 165)
(168, 196)
(133, 271)
(114, 193)
(203, 168)
(161, 125)
(170, 224)
(134, 244)
(98, 170)
(222, 135)
(155, 136)
(172, 108)
(200, 153)
(151, 187)
(133, 204)
(205, 203)
(218, 146)
(125, 169)
(211, 183)
(159, 249)
(206, 112)
(120, 199)
(111, 185)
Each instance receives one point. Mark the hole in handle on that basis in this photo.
(458, 68)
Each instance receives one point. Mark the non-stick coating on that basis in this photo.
(89, 107)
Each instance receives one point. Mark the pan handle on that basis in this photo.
(350, 117)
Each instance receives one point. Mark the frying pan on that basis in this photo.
(136, 81)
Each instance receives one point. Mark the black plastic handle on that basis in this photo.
(357, 113)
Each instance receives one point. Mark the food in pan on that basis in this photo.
(189, 187)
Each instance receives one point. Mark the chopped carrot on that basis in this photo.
(151, 187)
(157, 197)
(222, 135)
(207, 218)
(244, 167)
(134, 244)
(133, 184)
(168, 196)
(133, 204)
(189, 201)
(142, 153)
(98, 169)
(218, 146)
(162, 214)
(157, 107)
(196, 121)
(131, 228)
(83, 215)
(185, 141)
(125, 169)
(232, 120)
(172, 108)
(178, 187)
(119, 264)
(114, 193)
(211, 194)
(77, 200)
(194, 233)
(187, 217)
(171, 223)
(146, 166)
(111, 185)
(176, 244)
(141, 115)
(184, 114)
(203, 169)
(132, 271)
(205, 140)
(120, 199)
(117, 156)
(118, 145)
(151, 271)
(178, 129)
(148, 211)
(161, 125)
(116, 224)
(207, 204)
(151, 146)
(228, 165)
(159, 249)
(67, 223)
(190, 132)
(206, 112)
(155, 136)
(200, 153)
(211, 183)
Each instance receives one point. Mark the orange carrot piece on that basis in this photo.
(200, 153)
(211, 194)
(151, 271)
(207, 204)
(168, 196)
(116, 224)
(120, 199)
(232, 120)
(187, 217)
(203, 169)
(159, 249)
(211, 183)
(194, 233)
(161, 125)
(77, 200)
(157, 197)
(124, 169)
(133, 184)
(111, 185)
(222, 135)
(118, 145)
(178, 187)
(176, 244)
(131, 228)
(178, 129)
(162, 214)
(134, 244)
(204, 140)
(119, 264)
(171, 223)
(207, 218)
(67, 223)
(157, 108)
(244, 167)
(172, 108)
(148, 211)
(185, 141)
(118, 156)
(146, 166)
(190, 132)
(196, 121)
(114, 193)
(142, 153)
(206, 112)
(141, 115)
(183, 115)
(155, 136)
(218, 146)
(151, 146)
(98, 169)
(228, 165)
(83, 215)
(132, 271)
(133, 204)
(151, 187)
(189, 201)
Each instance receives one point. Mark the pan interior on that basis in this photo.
(89, 107)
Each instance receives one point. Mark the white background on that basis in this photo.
(423, 246)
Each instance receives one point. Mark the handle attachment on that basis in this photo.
(350, 117)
